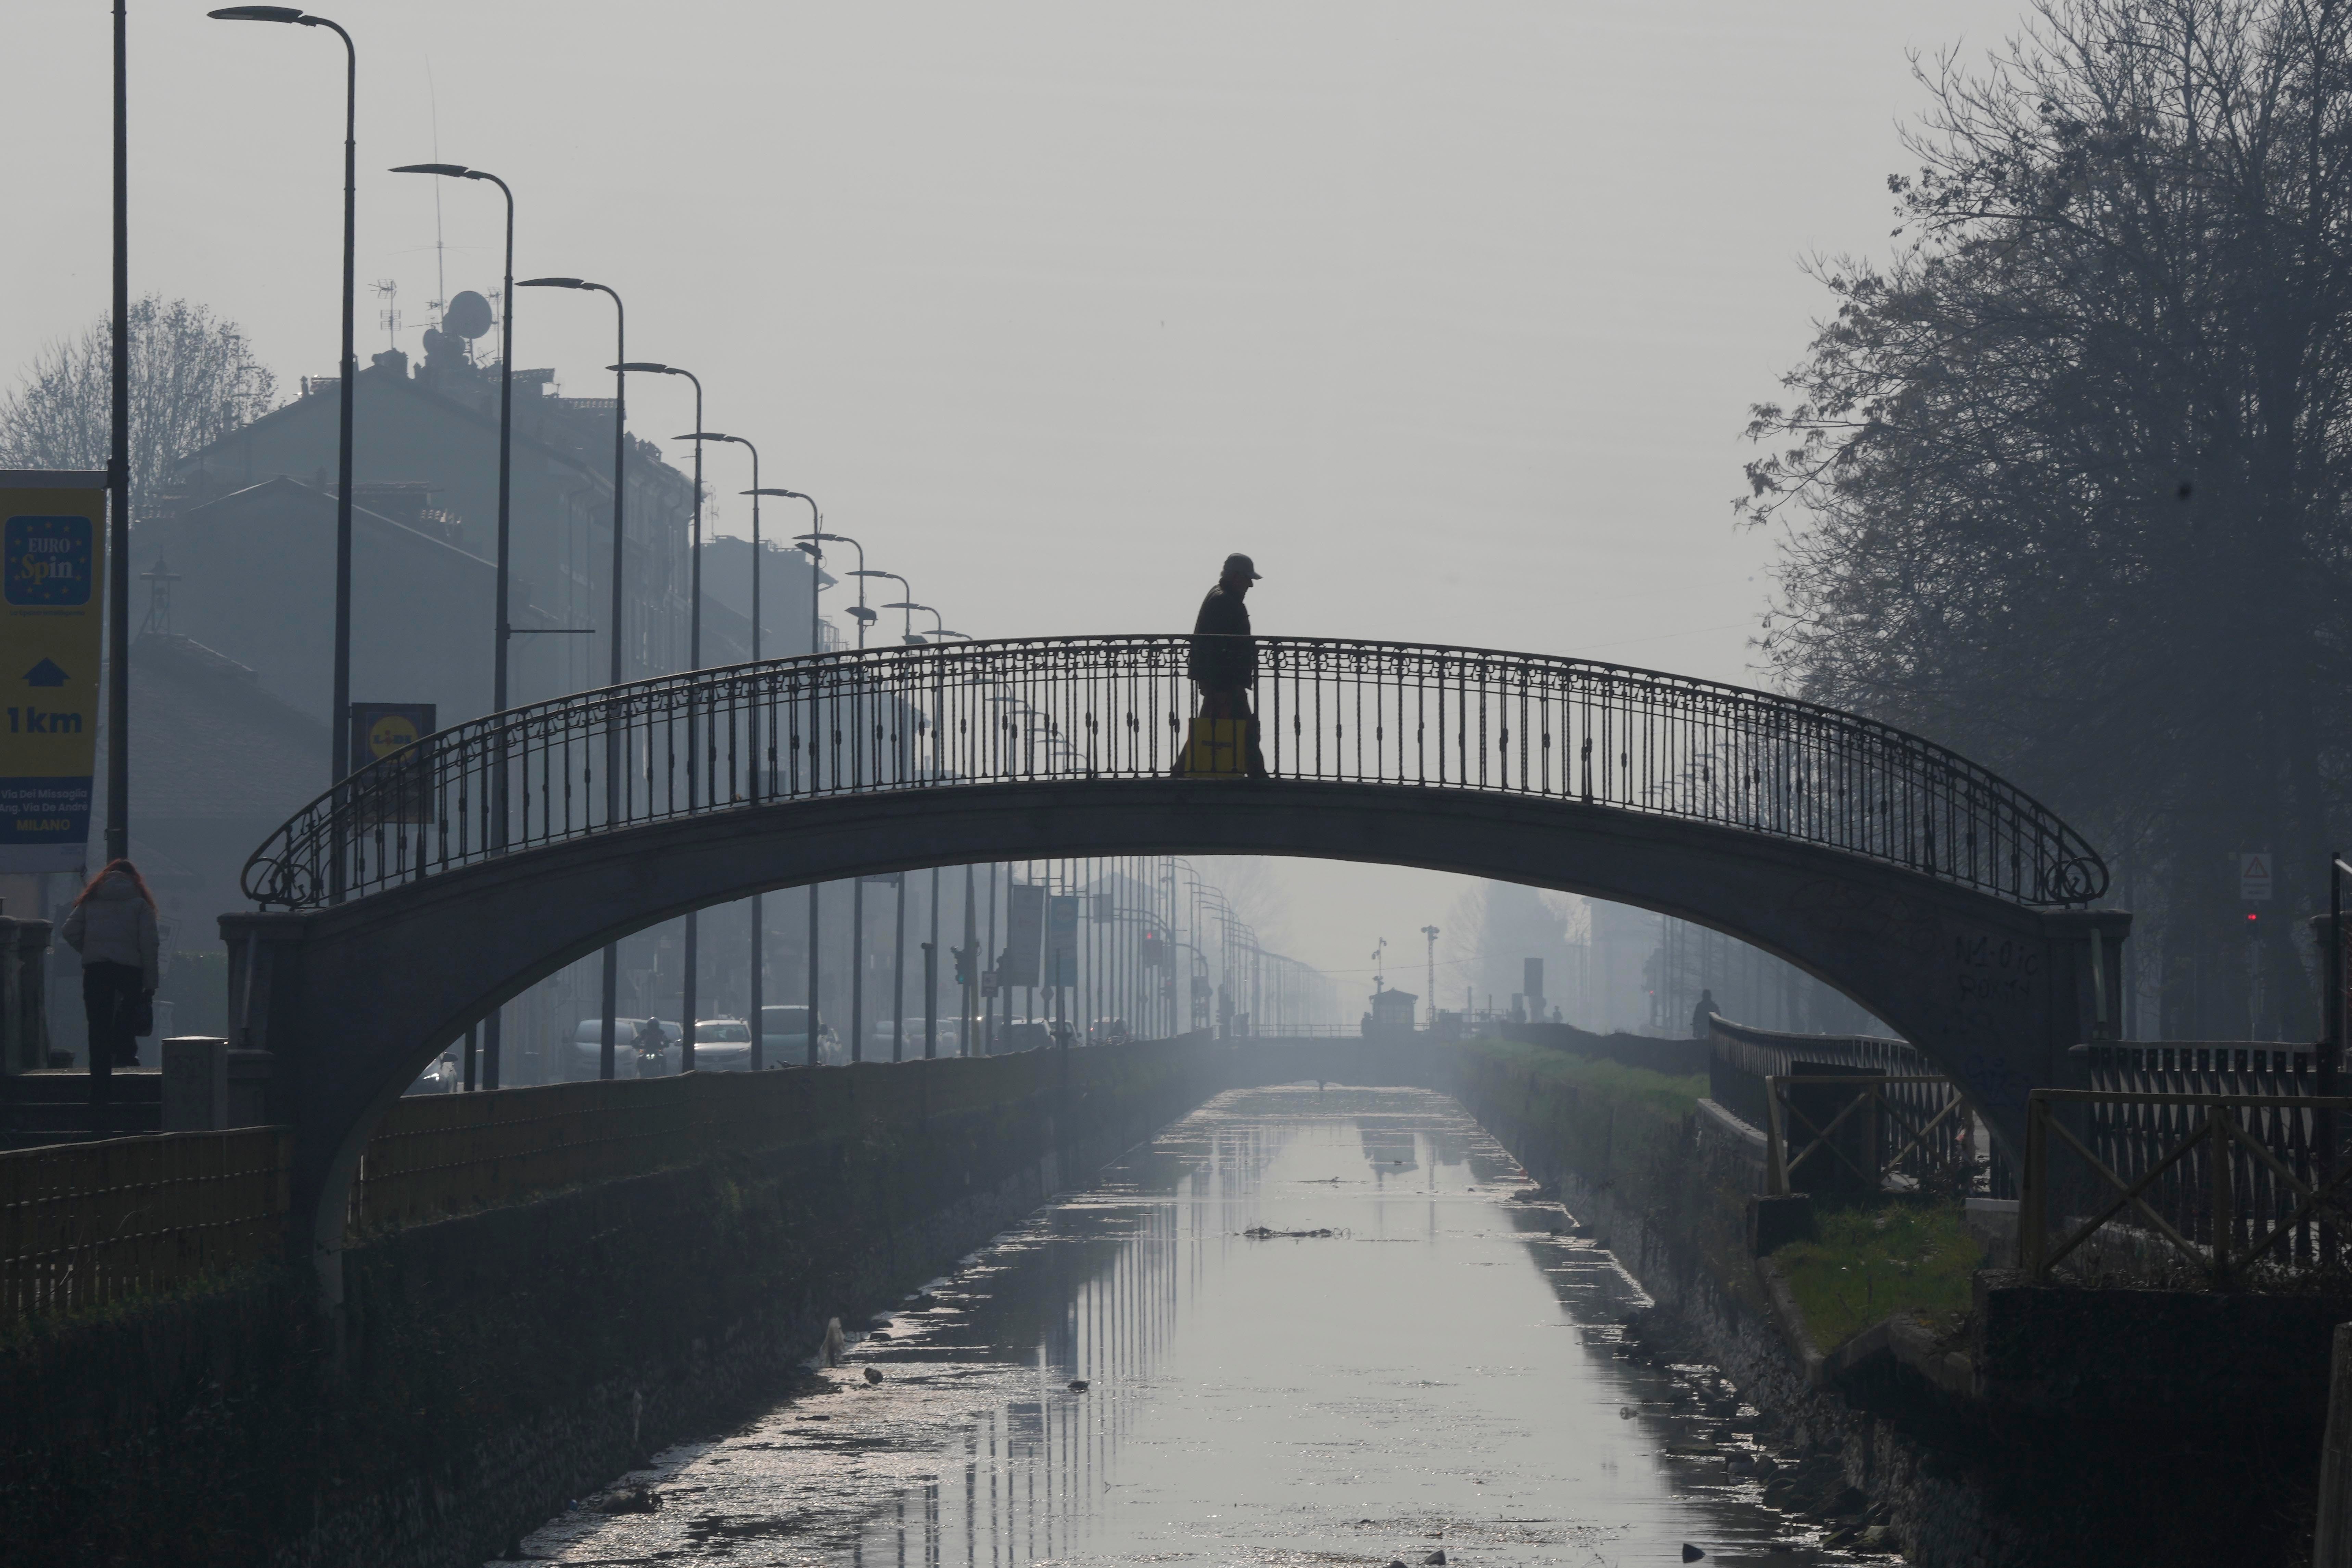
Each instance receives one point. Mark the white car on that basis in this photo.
(720, 1045)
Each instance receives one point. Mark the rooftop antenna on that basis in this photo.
(388, 291)
(440, 299)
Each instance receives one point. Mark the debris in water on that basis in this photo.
(1264, 1233)
(1077, 1385)
(1691, 1554)
(1626, 1413)
(1434, 1560)
(873, 1375)
(628, 1500)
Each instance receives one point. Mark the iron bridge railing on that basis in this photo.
(1050, 709)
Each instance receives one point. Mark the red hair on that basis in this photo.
(109, 869)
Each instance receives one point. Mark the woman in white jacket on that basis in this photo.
(113, 926)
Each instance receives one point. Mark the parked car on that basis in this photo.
(1107, 1032)
(784, 1037)
(642, 1047)
(721, 1045)
(1024, 1034)
(441, 1077)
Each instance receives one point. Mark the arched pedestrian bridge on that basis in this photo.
(403, 906)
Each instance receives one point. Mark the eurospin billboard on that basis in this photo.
(52, 607)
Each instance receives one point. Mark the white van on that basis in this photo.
(784, 1037)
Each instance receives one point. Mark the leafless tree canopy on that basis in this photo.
(2063, 483)
(193, 380)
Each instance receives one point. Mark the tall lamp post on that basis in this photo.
(865, 618)
(340, 725)
(688, 987)
(817, 645)
(611, 977)
(504, 628)
(811, 543)
(118, 473)
(759, 933)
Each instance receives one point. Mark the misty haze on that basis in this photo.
(1235, 784)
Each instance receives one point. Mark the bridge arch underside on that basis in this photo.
(354, 1000)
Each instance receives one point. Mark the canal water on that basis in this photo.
(1421, 1357)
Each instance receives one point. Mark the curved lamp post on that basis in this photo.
(611, 977)
(758, 931)
(503, 628)
(340, 724)
(688, 999)
(817, 645)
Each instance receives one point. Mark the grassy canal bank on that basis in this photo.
(1912, 1398)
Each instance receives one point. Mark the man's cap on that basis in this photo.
(1240, 565)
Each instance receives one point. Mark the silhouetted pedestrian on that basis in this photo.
(1223, 660)
(113, 926)
(1700, 1027)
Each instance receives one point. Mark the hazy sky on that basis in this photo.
(1450, 314)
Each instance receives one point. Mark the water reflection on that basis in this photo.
(1131, 1377)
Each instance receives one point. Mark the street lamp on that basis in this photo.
(904, 588)
(817, 645)
(502, 628)
(914, 640)
(340, 725)
(864, 617)
(118, 473)
(759, 925)
(612, 978)
(686, 999)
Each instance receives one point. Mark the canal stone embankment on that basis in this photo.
(486, 1370)
(2058, 1427)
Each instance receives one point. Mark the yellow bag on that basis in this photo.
(1217, 748)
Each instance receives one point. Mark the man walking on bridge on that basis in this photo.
(1222, 661)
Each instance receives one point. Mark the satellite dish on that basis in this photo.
(466, 316)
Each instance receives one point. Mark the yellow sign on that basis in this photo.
(393, 732)
(52, 609)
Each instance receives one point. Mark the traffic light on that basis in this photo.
(962, 965)
(1155, 951)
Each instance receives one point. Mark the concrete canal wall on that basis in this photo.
(489, 1369)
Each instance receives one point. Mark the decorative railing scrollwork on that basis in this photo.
(1048, 709)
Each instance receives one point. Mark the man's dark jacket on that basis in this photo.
(1226, 662)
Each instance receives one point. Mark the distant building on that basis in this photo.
(425, 457)
(1391, 1016)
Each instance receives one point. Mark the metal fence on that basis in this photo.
(1072, 708)
(85, 1224)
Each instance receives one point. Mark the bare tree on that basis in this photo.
(2065, 482)
(193, 379)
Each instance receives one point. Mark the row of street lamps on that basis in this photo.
(811, 543)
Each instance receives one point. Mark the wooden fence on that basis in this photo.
(2152, 1098)
(1899, 1131)
(2204, 1173)
(85, 1224)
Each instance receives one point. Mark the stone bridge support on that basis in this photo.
(352, 1001)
